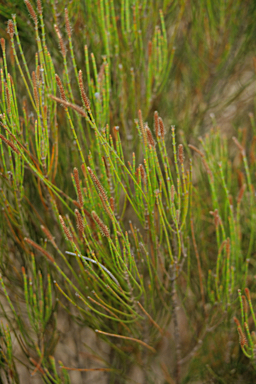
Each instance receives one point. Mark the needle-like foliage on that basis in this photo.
(110, 223)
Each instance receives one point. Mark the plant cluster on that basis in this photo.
(109, 223)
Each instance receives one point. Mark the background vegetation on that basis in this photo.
(127, 176)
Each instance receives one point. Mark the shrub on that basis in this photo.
(107, 225)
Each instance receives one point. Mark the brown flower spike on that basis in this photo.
(65, 229)
(31, 11)
(83, 94)
(103, 227)
(78, 187)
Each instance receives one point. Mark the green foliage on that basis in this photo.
(247, 339)
(109, 223)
